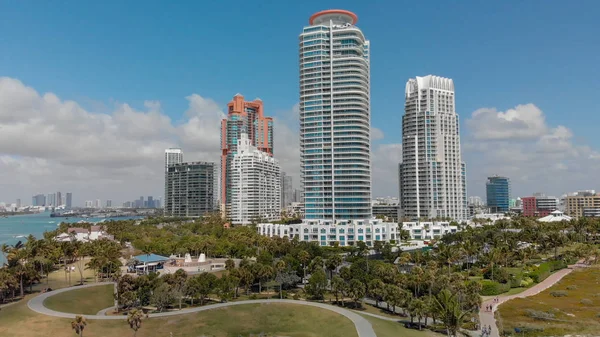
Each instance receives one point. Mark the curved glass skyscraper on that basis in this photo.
(335, 117)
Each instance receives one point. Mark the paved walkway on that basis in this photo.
(363, 327)
(486, 318)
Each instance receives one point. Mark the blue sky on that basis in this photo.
(500, 54)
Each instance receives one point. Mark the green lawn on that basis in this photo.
(87, 301)
(385, 328)
(575, 313)
(274, 319)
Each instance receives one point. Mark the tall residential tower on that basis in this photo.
(243, 117)
(256, 185)
(432, 173)
(335, 117)
(172, 156)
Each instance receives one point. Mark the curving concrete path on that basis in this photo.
(486, 318)
(363, 326)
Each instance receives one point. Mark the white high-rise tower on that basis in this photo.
(335, 118)
(172, 156)
(432, 173)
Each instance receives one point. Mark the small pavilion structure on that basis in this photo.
(555, 216)
(150, 263)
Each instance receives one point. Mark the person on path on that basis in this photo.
(484, 331)
(489, 329)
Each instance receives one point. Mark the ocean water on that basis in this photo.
(16, 228)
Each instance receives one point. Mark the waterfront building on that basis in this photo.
(335, 113)
(287, 191)
(242, 117)
(51, 199)
(89, 204)
(349, 232)
(190, 188)
(59, 199)
(498, 194)
(18, 204)
(69, 200)
(38, 200)
(150, 202)
(432, 173)
(255, 185)
(108, 203)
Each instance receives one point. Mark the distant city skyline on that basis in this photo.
(515, 119)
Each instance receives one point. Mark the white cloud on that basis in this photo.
(523, 122)
(520, 144)
(48, 144)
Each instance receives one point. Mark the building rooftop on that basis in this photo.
(149, 258)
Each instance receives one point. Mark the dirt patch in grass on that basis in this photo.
(545, 314)
(87, 301)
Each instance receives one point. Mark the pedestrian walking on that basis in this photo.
(489, 329)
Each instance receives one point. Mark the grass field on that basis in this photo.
(59, 279)
(276, 319)
(544, 314)
(385, 328)
(87, 301)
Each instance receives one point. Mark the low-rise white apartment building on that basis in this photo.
(349, 232)
(428, 230)
(84, 234)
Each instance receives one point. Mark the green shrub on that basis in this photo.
(500, 274)
(572, 287)
(296, 296)
(253, 297)
(491, 288)
(515, 280)
(541, 315)
(526, 281)
(541, 272)
(558, 293)
(586, 301)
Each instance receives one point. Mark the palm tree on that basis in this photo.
(78, 325)
(418, 309)
(279, 268)
(450, 311)
(229, 265)
(303, 257)
(134, 319)
(332, 263)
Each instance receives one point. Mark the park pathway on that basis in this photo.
(486, 318)
(362, 325)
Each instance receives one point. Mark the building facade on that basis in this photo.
(340, 232)
(498, 194)
(242, 117)
(190, 188)
(38, 200)
(69, 200)
(539, 205)
(255, 185)
(583, 204)
(172, 156)
(432, 173)
(287, 190)
(335, 118)
(349, 232)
